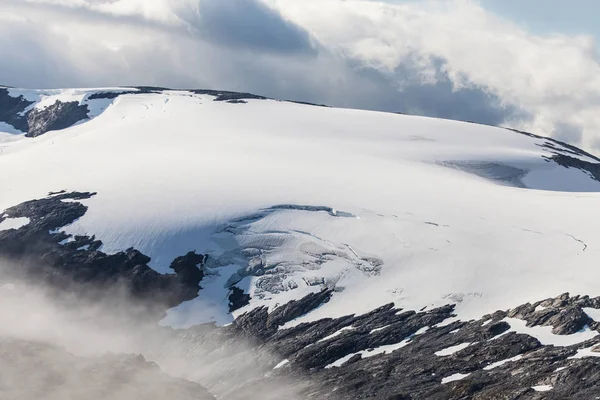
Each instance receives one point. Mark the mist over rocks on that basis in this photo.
(34, 370)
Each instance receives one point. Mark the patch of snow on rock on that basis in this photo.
(502, 362)
(546, 337)
(454, 377)
(592, 351)
(335, 334)
(593, 313)
(542, 388)
(452, 349)
(281, 364)
(13, 223)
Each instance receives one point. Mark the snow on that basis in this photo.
(542, 388)
(13, 223)
(281, 364)
(176, 172)
(454, 377)
(45, 98)
(422, 330)
(386, 349)
(546, 337)
(378, 329)
(586, 352)
(337, 333)
(502, 362)
(447, 322)
(452, 349)
(593, 313)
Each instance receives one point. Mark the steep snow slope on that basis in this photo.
(288, 198)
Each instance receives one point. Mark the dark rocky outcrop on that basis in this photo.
(55, 117)
(37, 122)
(221, 95)
(571, 162)
(567, 155)
(495, 361)
(11, 110)
(45, 254)
(498, 363)
(238, 299)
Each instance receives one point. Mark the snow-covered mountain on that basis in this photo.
(283, 202)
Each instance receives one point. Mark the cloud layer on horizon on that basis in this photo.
(450, 59)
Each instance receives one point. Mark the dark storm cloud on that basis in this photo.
(249, 25)
(406, 92)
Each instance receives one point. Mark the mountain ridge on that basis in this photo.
(338, 249)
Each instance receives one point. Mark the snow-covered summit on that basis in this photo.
(288, 198)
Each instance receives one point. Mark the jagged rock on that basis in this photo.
(57, 116)
(187, 267)
(237, 299)
(564, 313)
(11, 109)
(37, 249)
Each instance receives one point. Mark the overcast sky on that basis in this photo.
(528, 64)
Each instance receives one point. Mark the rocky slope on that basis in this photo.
(544, 350)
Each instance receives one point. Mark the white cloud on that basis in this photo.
(441, 58)
(554, 78)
